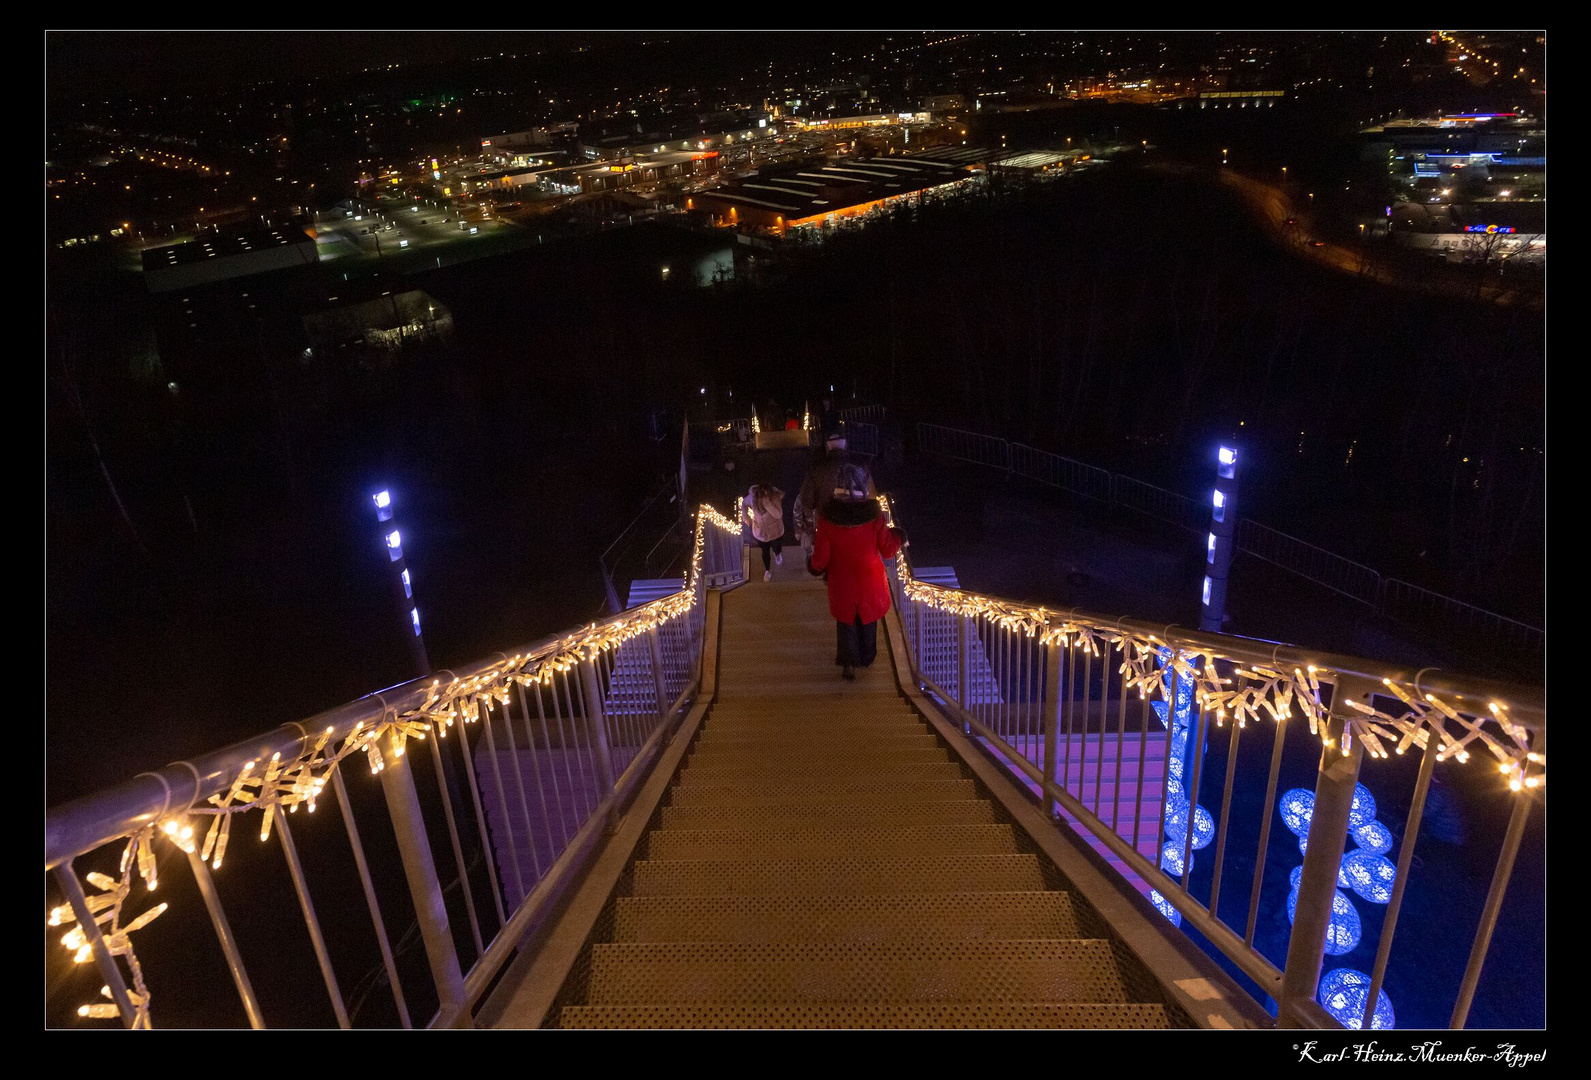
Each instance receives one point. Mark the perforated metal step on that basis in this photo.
(782, 756)
(863, 790)
(962, 971)
(772, 775)
(959, 812)
(883, 733)
(838, 877)
(813, 841)
(915, 1016)
(755, 919)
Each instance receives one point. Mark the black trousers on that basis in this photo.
(855, 643)
(776, 544)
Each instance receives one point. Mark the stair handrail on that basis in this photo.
(291, 765)
(1354, 706)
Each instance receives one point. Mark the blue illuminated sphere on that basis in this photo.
(1171, 858)
(1179, 745)
(1174, 787)
(1370, 875)
(1177, 819)
(1363, 811)
(1342, 994)
(1296, 876)
(1161, 709)
(1203, 828)
(1297, 807)
(1373, 837)
(1164, 907)
(1292, 902)
(1343, 880)
(1303, 843)
(1344, 931)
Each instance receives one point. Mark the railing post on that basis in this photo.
(963, 666)
(654, 644)
(1052, 723)
(597, 732)
(419, 869)
(1328, 837)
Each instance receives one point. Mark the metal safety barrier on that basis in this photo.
(872, 414)
(1324, 568)
(497, 778)
(860, 437)
(1126, 731)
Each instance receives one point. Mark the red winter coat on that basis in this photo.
(852, 542)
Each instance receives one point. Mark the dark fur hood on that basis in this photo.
(847, 513)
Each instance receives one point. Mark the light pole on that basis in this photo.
(1221, 541)
(402, 583)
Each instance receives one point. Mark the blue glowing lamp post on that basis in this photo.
(402, 582)
(1222, 539)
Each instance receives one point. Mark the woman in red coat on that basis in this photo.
(852, 542)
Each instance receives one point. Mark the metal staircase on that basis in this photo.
(822, 859)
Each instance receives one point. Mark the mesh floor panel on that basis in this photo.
(802, 773)
(962, 812)
(867, 1016)
(780, 757)
(856, 919)
(978, 971)
(813, 841)
(841, 876)
(850, 792)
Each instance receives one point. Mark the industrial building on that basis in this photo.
(226, 252)
(819, 196)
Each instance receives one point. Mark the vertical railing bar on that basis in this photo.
(1029, 745)
(66, 877)
(552, 764)
(1068, 668)
(1002, 720)
(480, 825)
(1494, 902)
(1121, 735)
(453, 836)
(352, 828)
(569, 754)
(1226, 806)
(582, 755)
(1165, 799)
(519, 782)
(535, 768)
(1265, 832)
(296, 870)
(502, 804)
(1389, 923)
(1143, 754)
(1197, 754)
(1099, 752)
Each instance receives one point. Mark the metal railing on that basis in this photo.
(1104, 719)
(529, 758)
(872, 414)
(861, 437)
(635, 551)
(1485, 631)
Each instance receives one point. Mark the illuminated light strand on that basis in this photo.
(301, 780)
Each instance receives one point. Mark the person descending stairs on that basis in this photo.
(823, 860)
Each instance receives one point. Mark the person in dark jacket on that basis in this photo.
(852, 542)
(818, 489)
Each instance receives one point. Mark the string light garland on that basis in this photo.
(299, 782)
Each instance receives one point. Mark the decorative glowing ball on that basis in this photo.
(1179, 745)
(1344, 930)
(1171, 858)
(1174, 767)
(1203, 828)
(1370, 875)
(1373, 837)
(1177, 819)
(1292, 902)
(1342, 993)
(1164, 907)
(1174, 787)
(1161, 709)
(1296, 876)
(1363, 811)
(1297, 806)
(1303, 843)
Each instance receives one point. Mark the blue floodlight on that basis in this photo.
(408, 587)
(383, 499)
(1206, 590)
(414, 614)
(1228, 463)
(1219, 502)
(393, 540)
(1210, 548)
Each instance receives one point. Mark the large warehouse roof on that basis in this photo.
(810, 191)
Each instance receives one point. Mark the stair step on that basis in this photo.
(868, 790)
(837, 875)
(782, 757)
(1081, 970)
(882, 734)
(819, 841)
(753, 919)
(776, 774)
(958, 812)
(1075, 1015)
